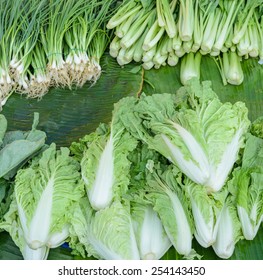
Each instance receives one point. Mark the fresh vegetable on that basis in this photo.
(17, 147)
(152, 240)
(232, 29)
(45, 194)
(105, 234)
(104, 165)
(170, 203)
(177, 166)
(247, 186)
(206, 210)
(229, 231)
(51, 43)
(151, 237)
(201, 135)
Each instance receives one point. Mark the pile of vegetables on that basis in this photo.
(167, 168)
(50, 43)
(160, 32)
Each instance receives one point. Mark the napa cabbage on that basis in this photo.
(45, 193)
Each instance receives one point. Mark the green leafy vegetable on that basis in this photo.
(104, 165)
(44, 196)
(247, 186)
(18, 147)
(206, 211)
(193, 129)
(229, 230)
(170, 203)
(151, 237)
(105, 234)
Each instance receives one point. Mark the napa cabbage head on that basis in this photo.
(247, 186)
(229, 230)
(151, 237)
(192, 128)
(45, 194)
(206, 209)
(104, 234)
(104, 163)
(170, 203)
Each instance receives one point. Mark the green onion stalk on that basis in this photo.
(40, 80)
(96, 50)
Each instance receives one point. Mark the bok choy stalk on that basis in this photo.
(230, 10)
(165, 16)
(105, 234)
(243, 17)
(151, 237)
(104, 164)
(193, 129)
(229, 230)
(126, 9)
(232, 68)
(44, 197)
(190, 67)
(247, 187)
(186, 20)
(173, 209)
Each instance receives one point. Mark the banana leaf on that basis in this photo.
(68, 114)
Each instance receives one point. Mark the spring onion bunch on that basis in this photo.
(162, 32)
(50, 43)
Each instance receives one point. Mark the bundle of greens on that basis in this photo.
(51, 43)
(157, 33)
